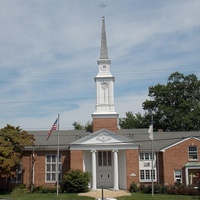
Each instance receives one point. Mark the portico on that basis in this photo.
(104, 155)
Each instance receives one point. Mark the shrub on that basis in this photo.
(172, 190)
(160, 189)
(21, 189)
(43, 189)
(142, 188)
(133, 187)
(76, 181)
(148, 189)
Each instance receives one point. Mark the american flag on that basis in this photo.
(54, 127)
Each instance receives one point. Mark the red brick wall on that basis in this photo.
(132, 166)
(39, 167)
(76, 159)
(160, 172)
(176, 157)
(27, 167)
(108, 123)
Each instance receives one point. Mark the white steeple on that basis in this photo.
(104, 81)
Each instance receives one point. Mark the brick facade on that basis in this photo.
(160, 167)
(107, 123)
(175, 158)
(27, 168)
(132, 166)
(76, 159)
(39, 167)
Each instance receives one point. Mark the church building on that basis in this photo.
(115, 157)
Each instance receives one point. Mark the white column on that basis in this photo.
(94, 170)
(186, 176)
(116, 175)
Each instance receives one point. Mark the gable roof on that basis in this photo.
(177, 143)
(104, 139)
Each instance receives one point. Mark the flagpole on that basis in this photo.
(152, 158)
(58, 152)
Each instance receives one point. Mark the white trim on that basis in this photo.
(116, 170)
(189, 153)
(181, 174)
(150, 172)
(94, 170)
(56, 166)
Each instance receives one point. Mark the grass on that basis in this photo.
(62, 196)
(49, 196)
(142, 196)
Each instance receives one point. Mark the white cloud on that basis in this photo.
(49, 51)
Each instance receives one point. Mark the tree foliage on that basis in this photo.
(176, 104)
(12, 141)
(133, 121)
(78, 126)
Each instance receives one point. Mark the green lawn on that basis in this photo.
(135, 196)
(142, 196)
(48, 196)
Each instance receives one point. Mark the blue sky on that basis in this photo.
(49, 52)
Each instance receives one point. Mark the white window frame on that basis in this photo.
(146, 175)
(192, 153)
(17, 178)
(177, 176)
(146, 156)
(51, 168)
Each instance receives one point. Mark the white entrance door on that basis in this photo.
(104, 169)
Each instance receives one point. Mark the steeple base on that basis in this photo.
(107, 121)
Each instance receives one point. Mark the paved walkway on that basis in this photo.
(106, 193)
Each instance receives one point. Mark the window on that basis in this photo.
(146, 164)
(146, 175)
(51, 167)
(178, 176)
(141, 156)
(192, 152)
(17, 178)
(104, 158)
(142, 175)
(145, 156)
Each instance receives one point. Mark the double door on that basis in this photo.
(104, 169)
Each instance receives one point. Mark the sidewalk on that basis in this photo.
(106, 193)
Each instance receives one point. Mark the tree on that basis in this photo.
(77, 126)
(88, 126)
(134, 121)
(12, 141)
(176, 105)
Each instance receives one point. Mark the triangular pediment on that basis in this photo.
(104, 138)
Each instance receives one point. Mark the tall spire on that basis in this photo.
(104, 50)
(104, 115)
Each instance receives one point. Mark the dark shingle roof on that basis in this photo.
(65, 138)
(141, 136)
(161, 139)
